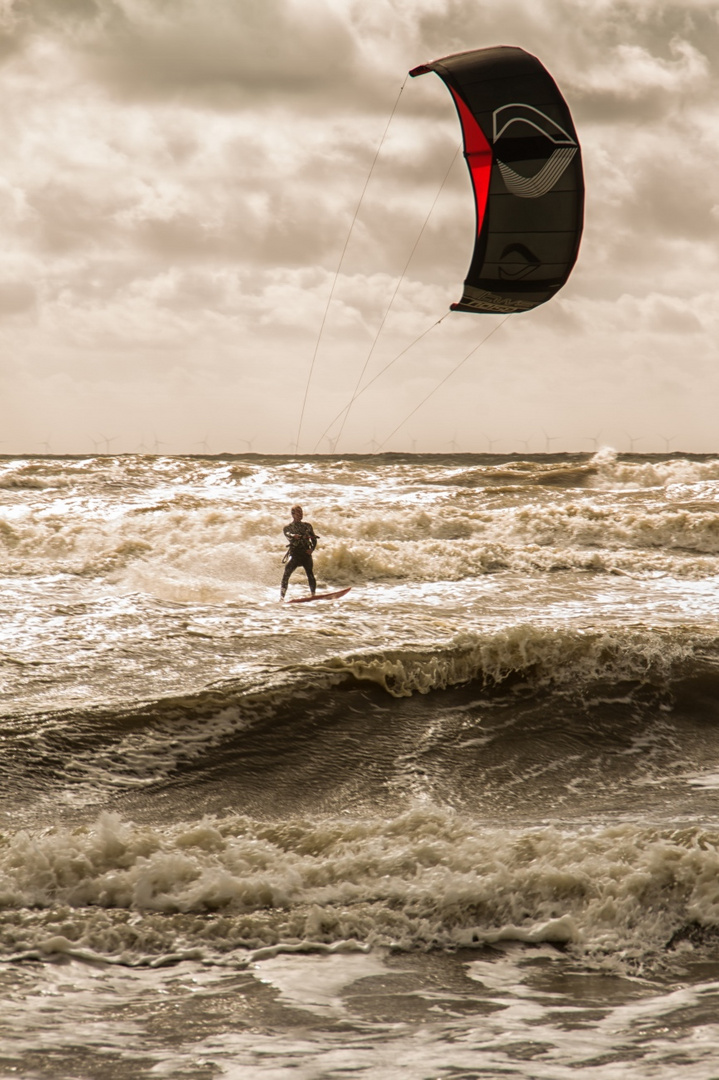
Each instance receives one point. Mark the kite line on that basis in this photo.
(471, 352)
(359, 393)
(339, 266)
(356, 392)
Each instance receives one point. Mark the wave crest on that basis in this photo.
(541, 655)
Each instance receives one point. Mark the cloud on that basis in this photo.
(223, 55)
(630, 85)
(179, 180)
(16, 297)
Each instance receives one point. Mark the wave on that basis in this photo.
(607, 469)
(479, 720)
(616, 896)
(539, 656)
(187, 530)
(661, 471)
(170, 552)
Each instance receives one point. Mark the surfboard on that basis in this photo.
(320, 596)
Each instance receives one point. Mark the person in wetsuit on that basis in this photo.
(302, 542)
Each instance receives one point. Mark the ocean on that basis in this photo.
(461, 823)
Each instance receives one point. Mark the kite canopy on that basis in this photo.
(526, 168)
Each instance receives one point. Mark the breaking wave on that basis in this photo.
(232, 888)
(274, 727)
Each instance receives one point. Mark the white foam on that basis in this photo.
(426, 878)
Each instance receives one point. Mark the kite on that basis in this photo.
(525, 164)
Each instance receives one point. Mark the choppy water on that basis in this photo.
(462, 823)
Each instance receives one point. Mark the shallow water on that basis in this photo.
(463, 822)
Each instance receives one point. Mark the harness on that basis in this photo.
(301, 544)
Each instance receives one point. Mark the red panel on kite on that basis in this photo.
(478, 153)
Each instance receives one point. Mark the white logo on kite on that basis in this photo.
(533, 187)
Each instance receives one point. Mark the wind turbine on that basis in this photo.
(548, 440)
(594, 439)
(668, 439)
(107, 441)
(632, 440)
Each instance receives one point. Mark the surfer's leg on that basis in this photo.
(290, 566)
(310, 575)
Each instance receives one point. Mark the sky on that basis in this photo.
(202, 250)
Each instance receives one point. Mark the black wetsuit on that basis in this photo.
(302, 542)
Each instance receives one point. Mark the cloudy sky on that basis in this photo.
(178, 184)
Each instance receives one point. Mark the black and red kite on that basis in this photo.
(526, 167)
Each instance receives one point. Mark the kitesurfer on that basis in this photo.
(302, 542)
